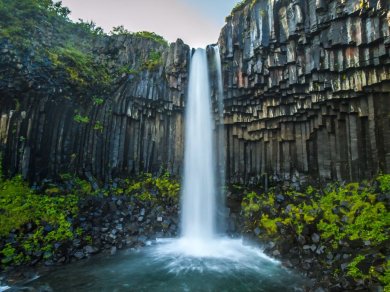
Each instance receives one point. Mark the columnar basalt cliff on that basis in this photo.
(307, 87)
(136, 126)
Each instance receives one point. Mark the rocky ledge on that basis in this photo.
(61, 228)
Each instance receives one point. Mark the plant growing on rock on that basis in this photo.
(338, 215)
(23, 209)
(153, 62)
(81, 119)
(152, 36)
(98, 126)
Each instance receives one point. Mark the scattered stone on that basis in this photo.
(301, 240)
(280, 198)
(315, 238)
(113, 250)
(91, 249)
(79, 254)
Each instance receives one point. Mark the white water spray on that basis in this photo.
(198, 201)
(199, 247)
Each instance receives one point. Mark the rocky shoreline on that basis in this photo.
(114, 221)
(341, 255)
(107, 220)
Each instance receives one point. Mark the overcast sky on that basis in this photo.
(197, 22)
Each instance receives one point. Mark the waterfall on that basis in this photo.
(201, 247)
(220, 140)
(199, 187)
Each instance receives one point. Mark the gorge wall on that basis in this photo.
(137, 126)
(306, 94)
(307, 89)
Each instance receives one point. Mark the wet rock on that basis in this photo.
(280, 198)
(91, 249)
(113, 207)
(113, 250)
(301, 240)
(79, 254)
(142, 239)
(315, 238)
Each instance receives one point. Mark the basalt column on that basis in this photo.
(136, 127)
(307, 89)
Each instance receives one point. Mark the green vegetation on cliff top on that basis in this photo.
(41, 31)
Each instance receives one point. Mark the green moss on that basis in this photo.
(167, 186)
(20, 19)
(353, 270)
(98, 126)
(145, 197)
(79, 65)
(355, 212)
(163, 189)
(384, 182)
(270, 225)
(20, 205)
(153, 62)
(97, 100)
(120, 30)
(360, 215)
(127, 70)
(250, 203)
(385, 277)
(81, 119)
(152, 36)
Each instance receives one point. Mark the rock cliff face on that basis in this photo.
(307, 87)
(136, 126)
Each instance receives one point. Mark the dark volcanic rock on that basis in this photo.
(306, 93)
(307, 89)
(137, 128)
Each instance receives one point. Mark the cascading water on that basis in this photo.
(198, 261)
(219, 141)
(198, 201)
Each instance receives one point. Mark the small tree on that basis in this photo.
(119, 30)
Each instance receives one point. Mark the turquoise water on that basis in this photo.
(160, 268)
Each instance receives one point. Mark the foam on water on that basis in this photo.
(200, 247)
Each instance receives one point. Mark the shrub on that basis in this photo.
(153, 62)
(152, 36)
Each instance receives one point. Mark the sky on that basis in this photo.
(197, 22)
